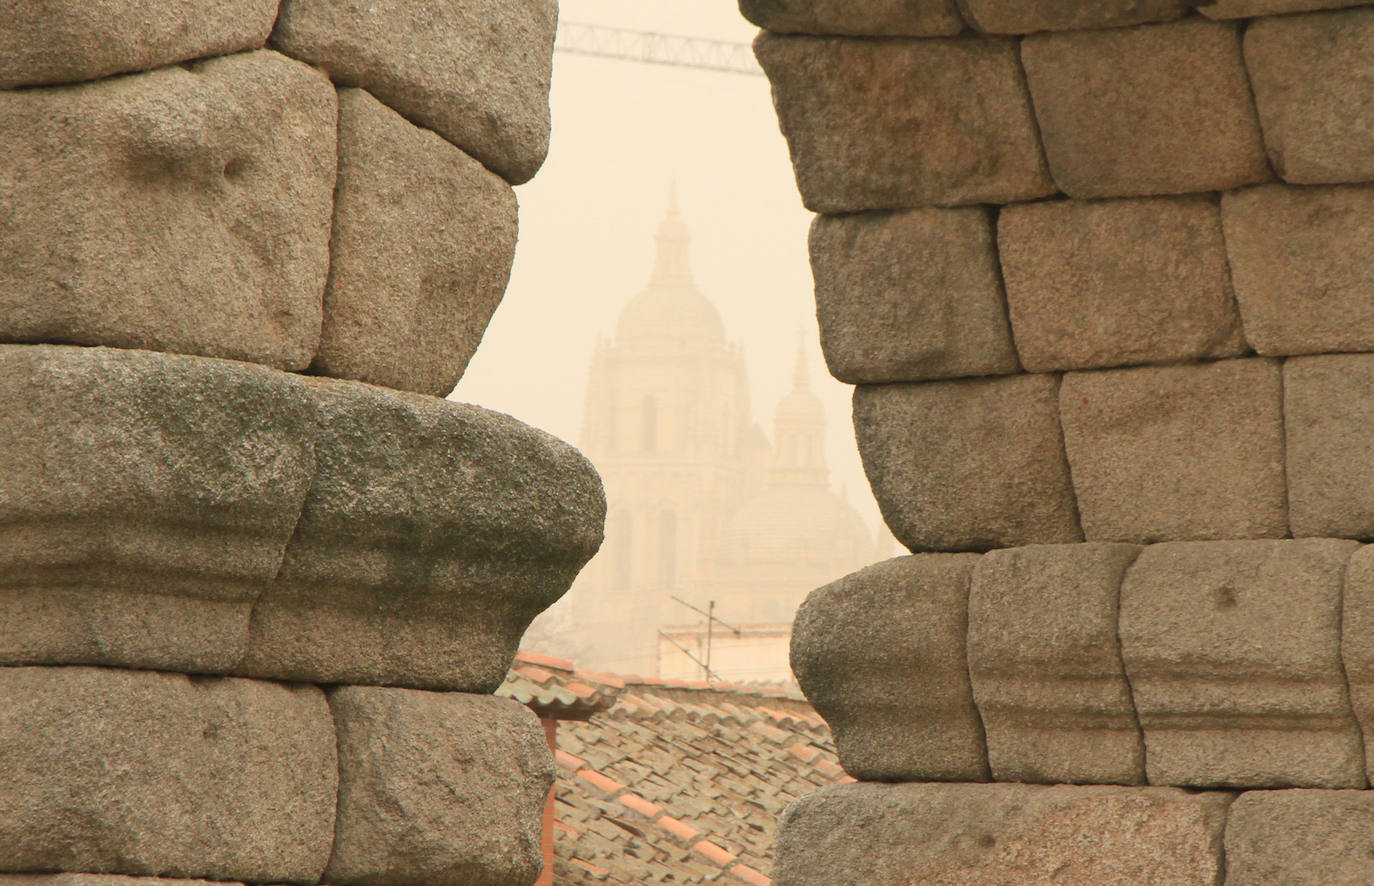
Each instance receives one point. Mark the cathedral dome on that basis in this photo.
(793, 525)
(671, 310)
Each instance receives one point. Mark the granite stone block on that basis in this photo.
(1233, 650)
(893, 124)
(1046, 668)
(881, 656)
(908, 296)
(970, 464)
(1328, 409)
(475, 71)
(1177, 452)
(877, 18)
(1027, 16)
(147, 773)
(1357, 643)
(423, 242)
(1311, 75)
(1000, 834)
(1094, 284)
(63, 41)
(185, 209)
(445, 789)
(1157, 109)
(1300, 838)
(1297, 262)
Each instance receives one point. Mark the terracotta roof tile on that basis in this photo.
(568, 761)
(640, 805)
(714, 852)
(749, 875)
(600, 782)
(546, 660)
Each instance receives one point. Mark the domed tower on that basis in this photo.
(668, 425)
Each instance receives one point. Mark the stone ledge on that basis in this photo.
(152, 501)
(1235, 654)
(875, 18)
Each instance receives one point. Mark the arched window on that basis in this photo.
(622, 542)
(649, 427)
(667, 549)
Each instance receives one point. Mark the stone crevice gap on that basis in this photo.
(1126, 675)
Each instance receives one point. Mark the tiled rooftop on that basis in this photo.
(671, 782)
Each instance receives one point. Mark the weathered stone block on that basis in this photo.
(997, 834)
(1311, 76)
(100, 880)
(178, 210)
(1328, 409)
(1177, 452)
(140, 772)
(475, 71)
(907, 296)
(1084, 294)
(1255, 8)
(881, 655)
(893, 124)
(968, 465)
(1300, 838)
(433, 533)
(1159, 109)
(438, 788)
(1045, 664)
(885, 18)
(1026, 16)
(1233, 650)
(1297, 259)
(145, 499)
(423, 242)
(61, 41)
(1357, 642)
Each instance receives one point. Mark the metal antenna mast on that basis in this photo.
(711, 622)
(650, 47)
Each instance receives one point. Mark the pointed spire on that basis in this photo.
(670, 262)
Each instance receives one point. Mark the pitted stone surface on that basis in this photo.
(1233, 649)
(1115, 282)
(1328, 409)
(1026, 16)
(475, 71)
(1298, 262)
(1177, 452)
(1357, 642)
(999, 834)
(1311, 75)
(433, 533)
(140, 772)
(63, 41)
(1300, 838)
(177, 210)
(906, 296)
(881, 656)
(422, 247)
(1158, 109)
(145, 500)
(887, 18)
(892, 124)
(445, 789)
(1046, 665)
(968, 465)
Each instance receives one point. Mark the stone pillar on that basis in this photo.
(1100, 273)
(259, 578)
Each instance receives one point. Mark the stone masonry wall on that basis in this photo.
(258, 580)
(1100, 272)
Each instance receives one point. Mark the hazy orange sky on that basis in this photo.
(623, 132)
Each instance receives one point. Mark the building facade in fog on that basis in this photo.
(704, 505)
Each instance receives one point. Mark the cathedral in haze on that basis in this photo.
(703, 506)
